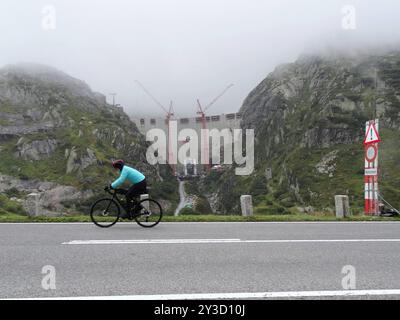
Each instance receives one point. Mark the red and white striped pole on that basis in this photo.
(371, 168)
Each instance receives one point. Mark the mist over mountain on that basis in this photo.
(58, 137)
(309, 121)
(184, 50)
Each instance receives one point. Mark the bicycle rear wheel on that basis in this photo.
(148, 213)
(105, 213)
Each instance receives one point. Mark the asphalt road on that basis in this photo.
(236, 258)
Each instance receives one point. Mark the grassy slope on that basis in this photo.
(206, 218)
(292, 165)
(53, 167)
(9, 207)
(81, 137)
(348, 178)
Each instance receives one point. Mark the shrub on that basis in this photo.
(7, 206)
(187, 211)
(202, 206)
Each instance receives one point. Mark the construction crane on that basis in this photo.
(169, 114)
(202, 112)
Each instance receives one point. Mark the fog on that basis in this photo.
(182, 50)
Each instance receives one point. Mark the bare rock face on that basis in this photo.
(76, 162)
(308, 119)
(73, 162)
(51, 201)
(36, 150)
(327, 165)
(50, 196)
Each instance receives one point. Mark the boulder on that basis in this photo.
(36, 150)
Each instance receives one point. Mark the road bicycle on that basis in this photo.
(106, 212)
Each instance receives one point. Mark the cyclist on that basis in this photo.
(135, 177)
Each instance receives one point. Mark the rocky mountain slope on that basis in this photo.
(309, 119)
(57, 138)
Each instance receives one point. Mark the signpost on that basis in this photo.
(371, 141)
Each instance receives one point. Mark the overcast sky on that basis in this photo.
(183, 49)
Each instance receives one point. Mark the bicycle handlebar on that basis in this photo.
(114, 191)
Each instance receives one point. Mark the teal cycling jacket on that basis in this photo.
(129, 173)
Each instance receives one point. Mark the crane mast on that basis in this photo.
(169, 114)
(201, 111)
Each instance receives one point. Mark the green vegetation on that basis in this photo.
(206, 218)
(312, 136)
(188, 211)
(8, 108)
(84, 125)
(4, 122)
(9, 208)
(309, 125)
(94, 177)
(201, 204)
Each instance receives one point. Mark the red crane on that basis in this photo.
(201, 111)
(169, 114)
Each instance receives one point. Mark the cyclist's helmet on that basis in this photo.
(118, 164)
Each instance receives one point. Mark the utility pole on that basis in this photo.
(113, 98)
(376, 91)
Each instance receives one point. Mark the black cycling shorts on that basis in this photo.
(137, 189)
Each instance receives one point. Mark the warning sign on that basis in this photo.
(371, 171)
(372, 135)
(371, 153)
(371, 188)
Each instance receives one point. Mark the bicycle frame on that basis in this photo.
(120, 202)
(134, 212)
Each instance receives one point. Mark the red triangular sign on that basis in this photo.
(372, 135)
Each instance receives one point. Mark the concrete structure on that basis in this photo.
(246, 203)
(32, 204)
(342, 206)
(268, 173)
(223, 121)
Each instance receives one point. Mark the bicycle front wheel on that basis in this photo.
(148, 213)
(105, 213)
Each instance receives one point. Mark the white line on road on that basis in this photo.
(195, 241)
(239, 295)
(152, 241)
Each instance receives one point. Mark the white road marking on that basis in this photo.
(195, 241)
(152, 241)
(239, 295)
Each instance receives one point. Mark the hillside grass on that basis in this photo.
(116, 137)
(9, 207)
